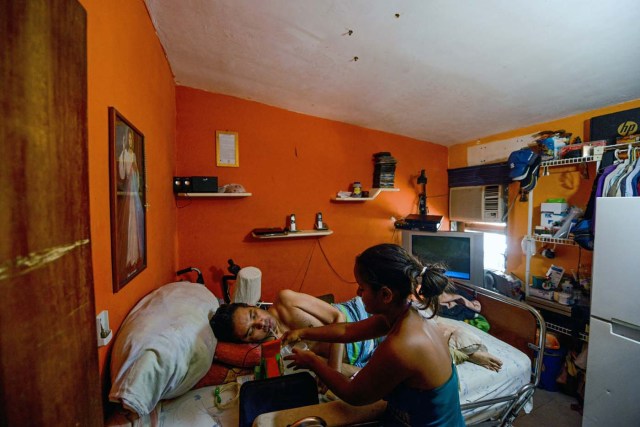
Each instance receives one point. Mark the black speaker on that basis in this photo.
(204, 184)
(182, 184)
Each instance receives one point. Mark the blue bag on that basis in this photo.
(583, 234)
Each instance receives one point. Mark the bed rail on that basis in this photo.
(514, 322)
(522, 327)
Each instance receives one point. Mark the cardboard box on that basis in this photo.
(554, 208)
(541, 293)
(550, 220)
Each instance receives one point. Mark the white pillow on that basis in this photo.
(164, 346)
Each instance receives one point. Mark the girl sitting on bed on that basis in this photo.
(412, 368)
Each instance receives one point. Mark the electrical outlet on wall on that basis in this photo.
(102, 328)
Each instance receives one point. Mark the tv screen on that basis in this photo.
(461, 253)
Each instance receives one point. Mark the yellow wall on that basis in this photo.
(562, 182)
(127, 69)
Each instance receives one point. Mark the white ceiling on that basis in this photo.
(445, 71)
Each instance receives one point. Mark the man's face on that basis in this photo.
(252, 324)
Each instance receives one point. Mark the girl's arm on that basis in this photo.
(372, 327)
(377, 379)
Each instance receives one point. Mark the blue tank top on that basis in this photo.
(436, 407)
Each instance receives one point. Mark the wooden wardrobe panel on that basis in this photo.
(48, 348)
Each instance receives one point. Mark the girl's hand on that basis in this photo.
(303, 359)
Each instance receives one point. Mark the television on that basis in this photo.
(462, 253)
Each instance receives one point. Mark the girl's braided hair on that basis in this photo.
(392, 266)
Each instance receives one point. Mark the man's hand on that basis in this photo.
(291, 337)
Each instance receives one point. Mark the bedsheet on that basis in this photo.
(195, 408)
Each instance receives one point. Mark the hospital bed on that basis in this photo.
(487, 398)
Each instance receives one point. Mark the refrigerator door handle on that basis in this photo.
(625, 330)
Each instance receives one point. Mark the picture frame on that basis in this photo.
(127, 189)
(227, 152)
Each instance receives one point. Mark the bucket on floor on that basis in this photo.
(551, 367)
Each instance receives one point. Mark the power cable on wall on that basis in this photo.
(313, 248)
(306, 268)
(326, 258)
(328, 261)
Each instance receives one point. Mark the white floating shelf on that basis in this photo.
(373, 193)
(228, 195)
(295, 234)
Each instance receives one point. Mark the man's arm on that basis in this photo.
(372, 327)
(446, 298)
(297, 310)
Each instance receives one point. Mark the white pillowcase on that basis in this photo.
(164, 346)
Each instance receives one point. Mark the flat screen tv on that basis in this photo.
(462, 253)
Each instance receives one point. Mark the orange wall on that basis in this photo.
(127, 69)
(292, 163)
(562, 182)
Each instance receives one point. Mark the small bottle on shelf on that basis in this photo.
(357, 189)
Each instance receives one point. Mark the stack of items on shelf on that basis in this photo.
(553, 212)
(384, 170)
(557, 145)
(561, 288)
(550, 143)
(557, 218)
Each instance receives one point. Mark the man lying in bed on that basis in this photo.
(293, 310)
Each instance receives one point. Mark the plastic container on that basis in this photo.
(286, 351)
(551, 366)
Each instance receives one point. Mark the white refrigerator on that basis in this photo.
(612, 394)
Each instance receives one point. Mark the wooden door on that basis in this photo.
(48, 348)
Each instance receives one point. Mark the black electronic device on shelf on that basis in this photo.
(422, 198)
(195, 184)
(421, 221)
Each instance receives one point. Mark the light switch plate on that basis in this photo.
(104, 333)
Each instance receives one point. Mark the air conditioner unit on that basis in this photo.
(485, 203)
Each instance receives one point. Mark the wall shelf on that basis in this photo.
(295, 234)
(566, 331)
(564, 162)
(221, 195)
(554, 240)
(549, 305)
(373, 193)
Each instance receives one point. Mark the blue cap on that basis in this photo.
(531, 177)
(520, 163)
